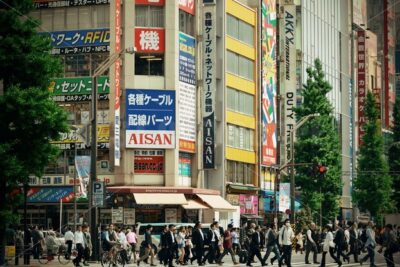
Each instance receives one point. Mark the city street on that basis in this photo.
(297, 260)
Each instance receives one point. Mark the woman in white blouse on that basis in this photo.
(329, 245)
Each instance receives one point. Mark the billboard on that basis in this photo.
(82, 165)
(284, 197)
(209, 84)
(67, 3)
(52, 194)
(289, 77)
(80, 41)
(248, 204)
(117, 75)
(187, 93)
(149, 164)
(78, 86)
(149, 40)
(150, 118)
(187, 6)
(150, 2)
(361, 84)
(269, 84)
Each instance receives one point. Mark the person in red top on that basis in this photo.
(228, 246)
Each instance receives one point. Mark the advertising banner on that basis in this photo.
(52, 194)
(209, 84)
(248, 204)
(149, 164)
(103, 135)
(150, 2)
(284, 197)
(67, 3)
(80, 41)
(269, 82)
(289, 84)
(78, 86)
(187, 93)
(185, 165)
(149, 40)
(117, 76)
(82, 165)
(361, 69)
(187, 6)
(150, 118)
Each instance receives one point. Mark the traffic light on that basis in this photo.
(320, 170)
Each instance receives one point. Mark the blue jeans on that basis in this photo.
(274, 248)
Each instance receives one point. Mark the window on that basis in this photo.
(58, 180)
(149, 64)
(241, 102)
(240, 137)
(240, 172)
(82, 64)
(240, 30)
(186, 23)
(149, 16)
(246, 65)
(33, 180)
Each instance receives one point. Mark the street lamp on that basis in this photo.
(105, 65)
(292, 178)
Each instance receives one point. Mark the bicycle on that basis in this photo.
(114, 256)
(62, 256)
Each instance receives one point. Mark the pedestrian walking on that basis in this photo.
(227, 243)
(370, 244)
(339, 241)
(328, 246)
(212, 244)
(88, 245)
(37, 239)
(353, 242)
(389, 244)
(286, 236)
(131, 238)
(180, 241)
(148, 247)
(300, 242)
(272, 244)
(163, 253)
(80, 242)
(311, 243)
(235, 240)
(255, 247)
(69, 240)
(198, 243)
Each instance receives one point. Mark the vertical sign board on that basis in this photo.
(117, 74)
(289, 54)
(209, 83)
(99, 194)
(361, 84)
(284, 197)
(269, 79)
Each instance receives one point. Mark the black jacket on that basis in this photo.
(271, 238)
(147, 239)
(255, 240)
(339, 237)
(171, 243)
(197, 238)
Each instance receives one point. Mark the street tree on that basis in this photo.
(317, 143)
(29, 118)
(394, 154)
(373, 185)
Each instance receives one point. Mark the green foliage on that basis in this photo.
(394, 154)
(317, 142)
(373, 185)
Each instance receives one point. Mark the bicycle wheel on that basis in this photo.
(64, 258)
(120, 259)
(105, 259)
(43, 259)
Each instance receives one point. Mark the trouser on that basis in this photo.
(36, 249)
(148, 252)
(339, 252)
(171, 253)
(311, 247)
(332, 253)
(211, 256)
(354, 251)
(389, 257)
(69, 247)
(323, 259)
(199, 252)
(274, 248)
(86, 254)
(255, 251)
(133, 247)
(236, 247)
(80, 250)
(226, 251)
(370, 255)
(163, 255)
(286, 255)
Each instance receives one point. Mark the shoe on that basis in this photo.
(138, 263)
(153, 265)
(236, 263)
(272, 261)
(201, 264)
(316, 262)
(307, 262)
(86, 264)
(249, 265)
(361, 262)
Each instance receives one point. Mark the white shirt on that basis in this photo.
(122, 239)
(69, 236)
(286, 235)
(173, 237)
(347, 235)
(309, 236)
(201, 233)
(328, 242)
(79, 238)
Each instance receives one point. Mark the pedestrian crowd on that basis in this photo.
(180, 245)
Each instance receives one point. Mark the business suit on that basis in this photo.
(255, 248)
(339, 241)
(198, 242)
(353, 244)
(171, 247)
(148, 251)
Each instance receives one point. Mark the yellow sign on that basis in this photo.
(75, 135)
(10, 251)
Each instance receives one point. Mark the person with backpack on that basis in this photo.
(370, 244)
(286, 236)
(390, 244)
(272, 244)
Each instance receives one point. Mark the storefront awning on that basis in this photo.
(160, 199)
(252, 216)
(216, 202)
(194, 205)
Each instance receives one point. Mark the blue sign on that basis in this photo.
(187, 62)
(91, 37)
(50, 194)
(150, 110)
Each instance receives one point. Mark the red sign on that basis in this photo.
(150, 40)
(149, 164)
(361, 84)
(149, 140)
(187, 146)
(150, 2)
(117, 76)
(187, 6)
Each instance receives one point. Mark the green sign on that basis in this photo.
(79, 85)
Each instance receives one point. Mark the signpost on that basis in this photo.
(99, 194)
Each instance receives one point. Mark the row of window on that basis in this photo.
(82, 64)
(239, 172)
(240, 65)
(240, 137)
(239, 101)
(240, 30)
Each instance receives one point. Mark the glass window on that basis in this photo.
(186, 22)
(59, 19)
(246, 33)
(232, 26)
(233, 63)
(149, 64)
(149, 16)
(72, 18)
(47, 21)
(231, 135)
(85, 18)
(240, 137)
(233, 98)
(101, 16)
(246, 68)
(239, 101)
(237, 137)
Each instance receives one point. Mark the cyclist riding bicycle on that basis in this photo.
(52, 244)
(109, 238)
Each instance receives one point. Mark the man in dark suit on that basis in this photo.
(163, 254)
(171, 244)
(353, 242)
(198, 243)
(255, 247)
(339, 241)
(148, 244)
(212, 241)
